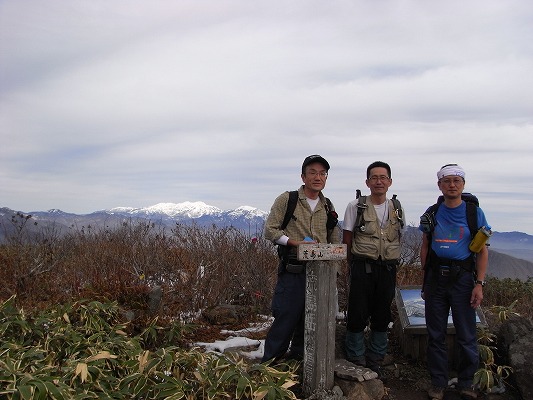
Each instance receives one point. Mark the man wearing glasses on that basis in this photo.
(373, 238)
(450, 268)
(308, 224)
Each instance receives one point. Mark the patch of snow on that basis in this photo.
(123, 210)
(240, 340)
(249, 211)
(230, 343)
(188, 208)
(255, 354)
(254, 327)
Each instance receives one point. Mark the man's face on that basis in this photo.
(379, 181)
(451, 186)
(315, 177)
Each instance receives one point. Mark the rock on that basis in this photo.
(356, 382)
(153, 303)
(154, 299)
(225, 314)
(367, 390)
(333, 394)
(517, 339)
(352, 372)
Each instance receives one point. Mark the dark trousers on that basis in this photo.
(288, 309)
(445, 292)
(371, 293)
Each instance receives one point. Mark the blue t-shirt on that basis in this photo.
(452, 236)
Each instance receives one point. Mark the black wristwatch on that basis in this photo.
(482, 283)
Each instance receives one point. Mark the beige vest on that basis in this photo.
(374, 241)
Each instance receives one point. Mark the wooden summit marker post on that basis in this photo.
(320, 314)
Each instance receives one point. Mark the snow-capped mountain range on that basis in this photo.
(188, 209)
(168, 214)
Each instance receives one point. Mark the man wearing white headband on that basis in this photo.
(451, 170)
(454, 277)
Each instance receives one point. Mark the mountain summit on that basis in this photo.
(189, 210)
(186, 209)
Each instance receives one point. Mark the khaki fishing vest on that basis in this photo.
(375, 242)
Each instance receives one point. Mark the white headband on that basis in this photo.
(448, 170)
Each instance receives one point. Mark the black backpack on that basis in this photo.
(333, 217)
(428, 223)
(428, 220)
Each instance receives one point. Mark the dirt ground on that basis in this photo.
(404, 378)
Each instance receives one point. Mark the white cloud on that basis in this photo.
(137, 103)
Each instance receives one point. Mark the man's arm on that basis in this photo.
(347, 237)
(275, 218)
(482, 260)
(424, 250)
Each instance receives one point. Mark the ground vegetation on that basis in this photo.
(78, 305)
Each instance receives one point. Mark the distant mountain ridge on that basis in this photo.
(168, 214)
(511, 253)
(507, 266)
(187, 209)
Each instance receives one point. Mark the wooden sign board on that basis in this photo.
(319, 331)
(320, 312)
(321, 252)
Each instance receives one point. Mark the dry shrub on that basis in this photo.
(195, 266)
(224, 266)
(504, 292)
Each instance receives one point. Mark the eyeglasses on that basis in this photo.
(375, 178)
(455, 181)
(322, 174)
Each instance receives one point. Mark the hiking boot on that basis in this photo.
(361, 360)
(378, 370)
(468, 394)
(436, 393)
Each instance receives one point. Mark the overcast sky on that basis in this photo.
(134, 103)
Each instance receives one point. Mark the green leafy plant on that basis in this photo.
(505, 313)
(490, 374)
(82, 351)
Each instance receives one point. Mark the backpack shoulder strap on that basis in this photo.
(359, 220)
(433, 209)
(291, 206)
(471, 218)
(428, 221)
(328, 205)
(398, 210)
(332, 216)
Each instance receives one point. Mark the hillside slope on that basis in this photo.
(505, 266)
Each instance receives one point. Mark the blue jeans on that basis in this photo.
(442, 293)
(288, 309)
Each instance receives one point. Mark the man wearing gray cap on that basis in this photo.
(313, 221)
(453, 279)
